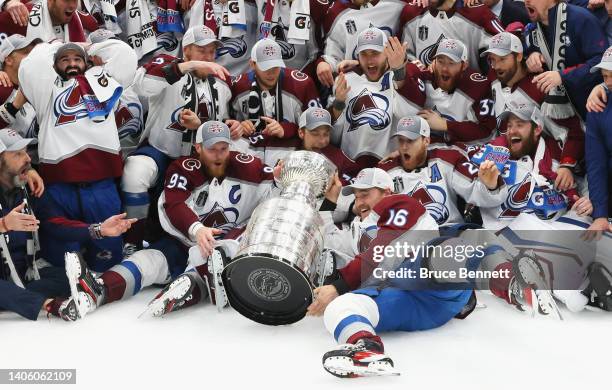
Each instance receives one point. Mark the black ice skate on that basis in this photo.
(599, 290)
(364, 358)
(173, 297)
(86, 292)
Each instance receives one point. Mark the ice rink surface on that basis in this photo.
(496, 347)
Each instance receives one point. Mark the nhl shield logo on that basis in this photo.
(423, 33)
(351, 27)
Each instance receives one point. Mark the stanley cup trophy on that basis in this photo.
(271, 278)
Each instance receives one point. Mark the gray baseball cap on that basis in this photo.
(212, 132)
(526, 112)
(267, 54)
(12, 43)
(12, 141)
(606, 61)
(371, 38)
(503, 44)
(369, 178)
(315, 117)
(412, 127)
(200, 36)
(101, 35)
(453, 49)
(69, 47)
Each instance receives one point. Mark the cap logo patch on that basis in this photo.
(369, 35)
(406, 122)
(269, 50)
(215, 128)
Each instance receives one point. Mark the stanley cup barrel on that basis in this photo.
(271, 278)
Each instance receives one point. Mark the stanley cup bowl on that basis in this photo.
(271, 278)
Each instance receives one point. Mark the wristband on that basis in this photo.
(338, 105)
(399, 74)
(6, 114)
(95, 231)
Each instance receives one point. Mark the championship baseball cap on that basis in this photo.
(453, 49)
(371, 38)
(212, 132)
(369, 178)
(503, 44)
(526, 112)
(412, 127)
(267, 54)
(12, 141)
(200, 36)
(12, 43)
(66, 47)
(101, 35)
(606, 61)
(315, 117)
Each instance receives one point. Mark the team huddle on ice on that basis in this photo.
(138, 137)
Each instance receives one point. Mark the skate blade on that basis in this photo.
(349, 370)
(73, 268)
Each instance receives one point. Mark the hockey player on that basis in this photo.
(296, 26)
(344, 21)
(364, 98)
(183, 93)
(375, 304)
(50, 20)
(424, 30)
(510, 80)
(270, 98)
(531, 172)
(458, 106)
(436, 176)
(12, 50)
(78, 145)
(237, 30)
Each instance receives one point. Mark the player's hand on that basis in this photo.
(547, 80)
(419, 65)
(471, 3)
(582, 206)
(391, 156)
(235, 127)
(342, 88)
(325, 74)
(205, 237)
(96, 61)
(189, 119)
(597, 99)
(116, 225)
(323, 296)
(273, 128)
(421, 3)
(18, 11)
(205, 68)
(335, 187)
(597, 228)
(594, 4)
(346, 66)
(535, 62)
(276, 171)
(17, 221)
(565, 179)
(488, 174)
(395, 52)
(248, 127)
(436, 122)
(5, 80)
(36, 183)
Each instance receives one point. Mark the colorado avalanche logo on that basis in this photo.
(368, 109)
(68, 106)
(518, 198)
(278, 32)
(129, 121)
(167, 41)
(434, 200)
(427, 54)
(235, 47)
(220, 218)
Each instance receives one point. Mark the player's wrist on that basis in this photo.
(95, 231)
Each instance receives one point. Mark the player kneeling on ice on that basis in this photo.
(377, 304)
(208, 197)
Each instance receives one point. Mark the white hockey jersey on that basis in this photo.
(129, 117)
(25, 120)
(191, 198)
(344, 22)
(71, 146)
(424, 29)
(365, 126)
(169, 92)
(448, 173)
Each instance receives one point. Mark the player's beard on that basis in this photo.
(71, 72)
(507, 75)
(374, 73)
(413, 161)
(216, 169)
(526, 148)
(446, 82)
